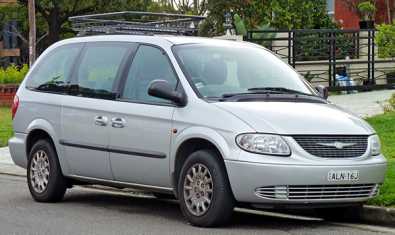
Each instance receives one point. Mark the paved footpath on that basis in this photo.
(7, 165)
(364, 104)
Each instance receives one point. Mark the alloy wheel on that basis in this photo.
(198, 189)
(39, 171)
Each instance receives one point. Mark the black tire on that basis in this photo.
(341, 214)
(57, 184)
(220, 210)
(164, 196)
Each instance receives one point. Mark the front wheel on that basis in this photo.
(204, 192)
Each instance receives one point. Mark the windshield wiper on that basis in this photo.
(228, 95)
(280, 90)
(267, 91)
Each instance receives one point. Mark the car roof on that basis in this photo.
(156, 39)
(203, 40)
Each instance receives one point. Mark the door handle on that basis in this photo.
(118, 122)
(101, 121)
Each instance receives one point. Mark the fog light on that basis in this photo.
(281, 192)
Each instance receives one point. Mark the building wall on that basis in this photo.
(346, 18)
(382, 15)
(349, 19)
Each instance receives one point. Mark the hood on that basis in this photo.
(291, 118)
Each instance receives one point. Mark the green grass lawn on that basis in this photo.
(5, 125)
(385, 126)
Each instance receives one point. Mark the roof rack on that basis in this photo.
(136, 23)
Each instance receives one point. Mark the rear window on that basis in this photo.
(53, 71)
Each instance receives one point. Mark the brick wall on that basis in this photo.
(350, 20)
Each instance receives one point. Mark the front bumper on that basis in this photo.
(246, 178)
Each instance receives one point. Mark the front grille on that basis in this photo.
(334, 146)
(311, 192)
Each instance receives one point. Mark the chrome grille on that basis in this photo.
(308, 192)
(333, 146)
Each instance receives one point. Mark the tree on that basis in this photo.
(52, 15)
(280, 14)
(53, 24)
(216, 10)
(299, 14)
(196, 7)
(56, 12)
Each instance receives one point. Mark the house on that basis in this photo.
(347, 16)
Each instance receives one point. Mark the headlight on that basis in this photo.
(263, 144)
(375, 146)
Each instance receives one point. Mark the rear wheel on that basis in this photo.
(204, 192)
(44, 177)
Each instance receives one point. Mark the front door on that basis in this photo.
(141, 125)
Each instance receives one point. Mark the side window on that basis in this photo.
(54, 70)
(148, 64)
(99, 69)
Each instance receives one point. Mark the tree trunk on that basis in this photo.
(393, 10)
(32, 32)
(387, 3)
(54, 27)
(196, 7)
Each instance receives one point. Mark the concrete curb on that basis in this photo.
(378, 215)
(8, 169)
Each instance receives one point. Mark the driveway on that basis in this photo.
(364, 104)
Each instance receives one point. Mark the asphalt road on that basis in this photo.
(91, 211)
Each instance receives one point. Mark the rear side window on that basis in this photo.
(149, 64)
(53, 72)
(99, 68)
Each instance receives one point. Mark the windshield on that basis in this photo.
(216, 71)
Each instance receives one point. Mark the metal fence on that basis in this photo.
(321, 55)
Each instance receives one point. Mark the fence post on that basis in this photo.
(293, 49)
(373, 59)
(334, 58)
(369, 57)
(358, 39)
(330, 60)
(289, 47)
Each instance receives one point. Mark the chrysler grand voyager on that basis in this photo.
(212, 123)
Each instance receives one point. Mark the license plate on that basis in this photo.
(338, 176)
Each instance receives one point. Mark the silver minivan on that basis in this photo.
(213, 123)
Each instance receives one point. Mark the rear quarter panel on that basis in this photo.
(39, 110)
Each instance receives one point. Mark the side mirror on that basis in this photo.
(323, 91)
(162, 89)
